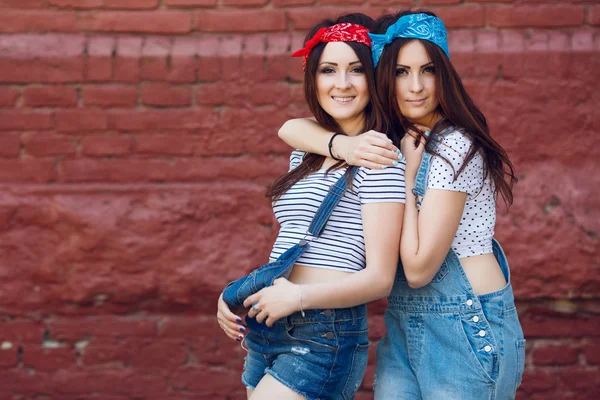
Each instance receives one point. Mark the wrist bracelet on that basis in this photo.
(301, 308)
(330, 145)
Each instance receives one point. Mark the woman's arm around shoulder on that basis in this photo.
(306, 134)
(371, 149)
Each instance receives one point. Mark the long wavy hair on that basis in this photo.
(374, 116)
(455, 107)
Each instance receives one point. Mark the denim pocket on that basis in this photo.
(510, 311)
(317, 334)
(357, 327)
(520, 361)
(357, 371)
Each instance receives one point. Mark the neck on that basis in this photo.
(429, 121)
(352, 127)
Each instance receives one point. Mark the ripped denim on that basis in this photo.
(320, 356)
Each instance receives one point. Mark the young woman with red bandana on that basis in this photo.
(308, 334)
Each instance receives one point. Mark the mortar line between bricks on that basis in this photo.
(124, 187)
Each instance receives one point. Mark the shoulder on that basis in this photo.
(456, 141)
(392, 173)
(454, 147)
(381, 185)
(448, 169)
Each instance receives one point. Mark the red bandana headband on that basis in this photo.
(344, 32)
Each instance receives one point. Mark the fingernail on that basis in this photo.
(242, 330)
(427, 133)
(389, 139)
(398, 151)
(400, 156)
(384, 167)
(239, 320)
(395, 163)
(238, 339)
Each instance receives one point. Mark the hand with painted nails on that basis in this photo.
(274, 302)
(229, 322)
(412, 147)
(372, 149)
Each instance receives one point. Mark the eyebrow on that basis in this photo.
(332, 63)
(407, 67)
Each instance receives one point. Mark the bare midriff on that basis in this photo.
(303, 274)
(484, 273)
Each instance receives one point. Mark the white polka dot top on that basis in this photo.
(476, 229)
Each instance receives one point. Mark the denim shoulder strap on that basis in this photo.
(334, 195)
(423, 172)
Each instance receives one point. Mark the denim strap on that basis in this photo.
(423, 172)
(334, 195)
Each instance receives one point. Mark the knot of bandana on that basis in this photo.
(344, 32)
(416, 26)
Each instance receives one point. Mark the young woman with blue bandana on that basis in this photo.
(452, 327)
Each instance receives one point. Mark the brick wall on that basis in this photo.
(136, 139)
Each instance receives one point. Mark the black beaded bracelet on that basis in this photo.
(330, 145)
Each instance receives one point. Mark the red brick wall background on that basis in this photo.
(136, 139)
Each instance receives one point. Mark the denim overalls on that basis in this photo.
(321, 354)
(237, 291)
(443, 341)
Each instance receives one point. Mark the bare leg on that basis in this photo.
(249, 392)
(270, 388)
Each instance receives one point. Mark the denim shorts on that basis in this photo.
(320, 356)
(445, 342)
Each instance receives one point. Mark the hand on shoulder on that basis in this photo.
(371, 149)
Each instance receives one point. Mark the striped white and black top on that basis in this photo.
(341, 245)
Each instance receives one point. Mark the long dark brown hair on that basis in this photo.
(374, 116)
(455, 107)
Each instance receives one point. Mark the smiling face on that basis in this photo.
(415, 85)
(342, 88)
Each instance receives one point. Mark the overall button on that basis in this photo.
(328, 313)
(302, 243)
(487, 349)
(469, 302)
(329, 336)
(475, 319)
(481, 333)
